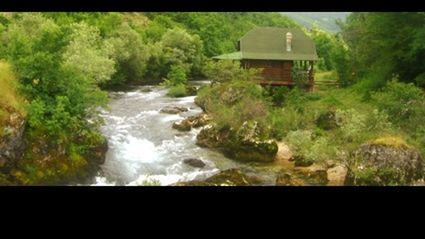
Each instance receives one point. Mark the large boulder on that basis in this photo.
(316, 173)
(284, 153)
(255, 150)
(249, 146)
(243, 144)
(211, 137)
(387, 161)
(173, 109)
(183, 125)
(337, 176)
(287, 179)
(229, 177)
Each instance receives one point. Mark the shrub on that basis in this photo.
(299, 140)
(420, 80)
(277, 94)
(177, 91)
(227, 70)
(352, 124)
(282, 121)
(176, 76)
(405, 103)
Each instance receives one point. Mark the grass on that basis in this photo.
(325, 75)
(9, 98)
(396, 142)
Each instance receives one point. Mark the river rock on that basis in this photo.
(337, 176)
(183, 125)
(284, 153)
(210, 137)
(287, 179)
(173, 109)
(229, 177)
(192, 121)
(146, 89)
(199, 120)
(386, 164)
(196, 163)
(315, 172)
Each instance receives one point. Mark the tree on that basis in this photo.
(88, 54)
(61, 94)
(130, 53)
(386, 44)
(181, 48)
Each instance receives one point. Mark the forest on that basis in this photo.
(136, 99)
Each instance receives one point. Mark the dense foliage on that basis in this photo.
(386, 44)
(62, 61)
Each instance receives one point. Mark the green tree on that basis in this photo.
(130, 53)
(88, 53)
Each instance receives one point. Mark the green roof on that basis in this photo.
(269, 43)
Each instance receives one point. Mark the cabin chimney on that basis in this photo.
(288, 41)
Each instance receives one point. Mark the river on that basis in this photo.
(144, 149)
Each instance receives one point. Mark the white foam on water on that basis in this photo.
(138, 150)
(102, 181)
(146, 95)
(163, 180)
(134, 93)
(188, 99)
(144, 114)
(169, 118)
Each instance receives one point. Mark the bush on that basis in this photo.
(176, 76)
(222, 71)
(277, 94)
(351, 124)
(420, 80)
(404, 103)
(311, 148)
(282, 121)
(177, 91)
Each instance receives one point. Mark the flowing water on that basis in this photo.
(144, 149)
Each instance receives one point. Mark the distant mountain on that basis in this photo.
(325, 20)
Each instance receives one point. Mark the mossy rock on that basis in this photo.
(387, 161)
(255, 151)
(183, 125)
(242, 145)
(229, 177)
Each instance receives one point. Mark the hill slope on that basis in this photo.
(325, 20)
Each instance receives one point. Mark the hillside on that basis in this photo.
(325, 20)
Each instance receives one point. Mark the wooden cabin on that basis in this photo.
(284, 55)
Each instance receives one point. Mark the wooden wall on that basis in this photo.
(273, 70)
